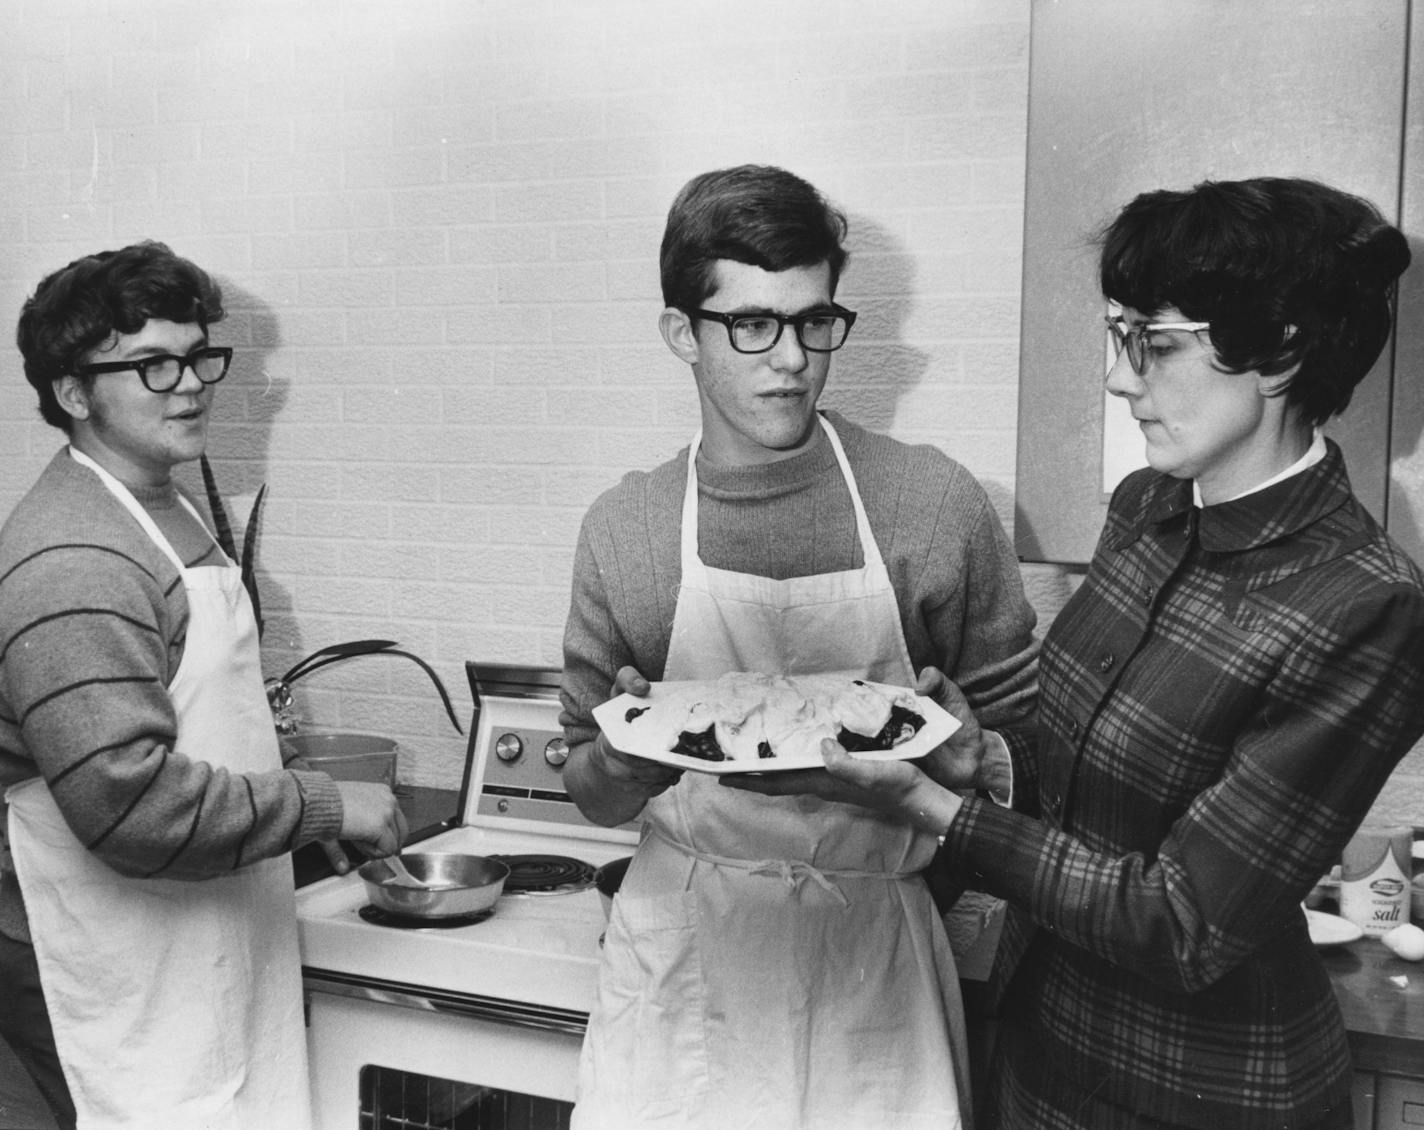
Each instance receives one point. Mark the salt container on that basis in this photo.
(1374, 878)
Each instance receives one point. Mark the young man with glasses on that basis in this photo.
(149, 973)
(776, 963)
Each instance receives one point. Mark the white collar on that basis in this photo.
(1313, 455)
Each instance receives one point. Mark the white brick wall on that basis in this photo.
(437, 223)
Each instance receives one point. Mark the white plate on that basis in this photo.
(1331, 929)
(623, 734)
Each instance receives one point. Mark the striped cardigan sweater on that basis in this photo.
(92, 624)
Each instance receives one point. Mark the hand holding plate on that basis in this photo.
(955, 763)
(630, 769)
(898, 788)
(629, 680)
(625, 768)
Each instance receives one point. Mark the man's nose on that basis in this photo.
(788, 354)
(188, 377)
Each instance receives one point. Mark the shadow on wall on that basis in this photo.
(876, 367)
(1048, 588)
(247, 402)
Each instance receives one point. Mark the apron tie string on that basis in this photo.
(792, 872)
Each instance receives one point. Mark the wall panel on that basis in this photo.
(1125, 97)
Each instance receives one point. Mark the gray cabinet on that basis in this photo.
(1388, 1102)
(1363, 1095)
(1126, 96)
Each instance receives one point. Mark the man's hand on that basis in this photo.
(371, 818)
(609, 786)
(626, 769)
(335, 855)
(955, 764)
(630, 681)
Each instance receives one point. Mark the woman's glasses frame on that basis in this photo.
(1133, 337)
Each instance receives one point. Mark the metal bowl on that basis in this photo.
(348, 756)
(452, 885)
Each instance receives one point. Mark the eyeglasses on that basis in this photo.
(164, 372)
(823, 331)
(1133, 338)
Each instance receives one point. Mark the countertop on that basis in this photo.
(1382, 997)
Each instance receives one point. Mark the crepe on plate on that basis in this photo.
(746, 716)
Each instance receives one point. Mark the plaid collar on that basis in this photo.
(1259, 518)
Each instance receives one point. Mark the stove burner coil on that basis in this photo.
(545, 874)
(379, 916)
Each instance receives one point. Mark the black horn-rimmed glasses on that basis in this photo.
(164, 371)
(820, 331)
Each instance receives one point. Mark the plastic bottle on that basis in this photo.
(1374, 879)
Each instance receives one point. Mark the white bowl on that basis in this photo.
(1330, 929)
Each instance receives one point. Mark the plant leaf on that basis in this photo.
(215, 504)
(249, 556)
(439, 686)
(339, 651)
(315, 662)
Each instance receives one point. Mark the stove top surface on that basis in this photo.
(543, 950)
(541, 944)
(537, 874)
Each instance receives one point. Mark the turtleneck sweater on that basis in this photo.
(956, 580)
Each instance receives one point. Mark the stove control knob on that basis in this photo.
(556, 752)
(508, 748)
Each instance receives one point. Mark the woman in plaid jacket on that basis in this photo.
(1220, 702)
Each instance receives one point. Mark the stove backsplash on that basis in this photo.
(517, 747)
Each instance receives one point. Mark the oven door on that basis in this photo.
(386, 1054)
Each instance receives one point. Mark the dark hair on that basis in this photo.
(1287, 271)
(754, 214)
(79, 307)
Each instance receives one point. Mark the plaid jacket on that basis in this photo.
(1220, 703)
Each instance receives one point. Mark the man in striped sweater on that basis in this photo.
(149, 973)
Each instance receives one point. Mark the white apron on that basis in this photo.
(174, 1004)
(776, 962)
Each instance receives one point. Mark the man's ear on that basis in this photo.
(73, 396)
(677, 331)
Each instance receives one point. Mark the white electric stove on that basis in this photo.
(496, 1006)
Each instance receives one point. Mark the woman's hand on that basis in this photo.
(898, 788)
